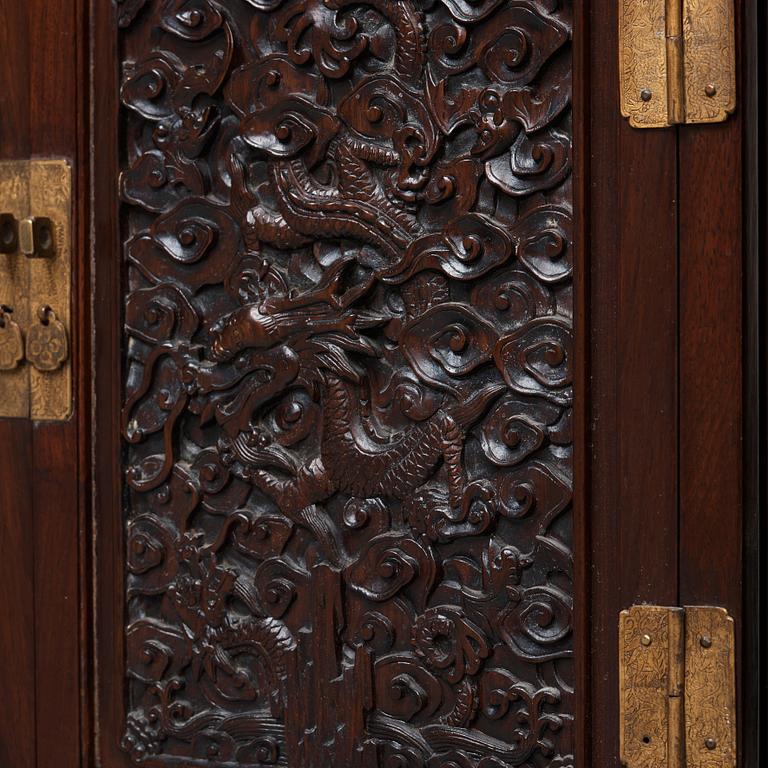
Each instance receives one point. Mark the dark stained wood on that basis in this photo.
(717, 424)
(57, 596)
(17, 626)
(17, 636)
(626, 322)
(755, 103)
(710, 365)
(581, 386)
(109, 710)
(14, 69)
(633, 363)
(711, 373)
(431, 555)
(60, 457)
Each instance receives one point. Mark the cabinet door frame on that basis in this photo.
(45, 472)
(635, 506)
(754, 682)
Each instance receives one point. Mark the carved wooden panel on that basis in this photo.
(348, 235)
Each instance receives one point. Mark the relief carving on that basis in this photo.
(348, 353)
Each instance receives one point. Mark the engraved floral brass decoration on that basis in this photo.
(50, 285)
(47, 347)
(677, 688)
(651, 648)
(710, 689)
(35, 271)
(677, 61)
(348, 233)
(11, 340)
(14, 289)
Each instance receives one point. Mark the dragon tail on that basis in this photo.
(467, 413)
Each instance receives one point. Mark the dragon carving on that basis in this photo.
(348, 235)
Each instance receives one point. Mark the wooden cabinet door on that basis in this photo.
(348, 365)
(403, 364)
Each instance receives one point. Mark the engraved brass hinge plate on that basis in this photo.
(677, 690)
(677, 62)
(35, 289)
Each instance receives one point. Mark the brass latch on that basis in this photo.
(677, 62)
(677, 690)
(36, 237)
(35, 289)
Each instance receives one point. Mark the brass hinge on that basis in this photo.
(677, 691)
(35, 289)
(677, 62)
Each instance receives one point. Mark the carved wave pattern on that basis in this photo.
(348, 320)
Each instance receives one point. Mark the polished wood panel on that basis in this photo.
(60, 451)
(711, 311)
(755, 100)
(711, 373)
(108, 584)
(17, 626)
(633, 371)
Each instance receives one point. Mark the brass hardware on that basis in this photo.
(14, 285)
(47, 345)
(36, 238)
(710, 688)
(676, 61)
(50, 281)
(35, 277)
(676, 688)
(651, 684)
(11, 341)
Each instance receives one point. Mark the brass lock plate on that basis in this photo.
(677, 694)
(14, 285)
(35, 277)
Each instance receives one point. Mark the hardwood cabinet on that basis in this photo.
(402, 364)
